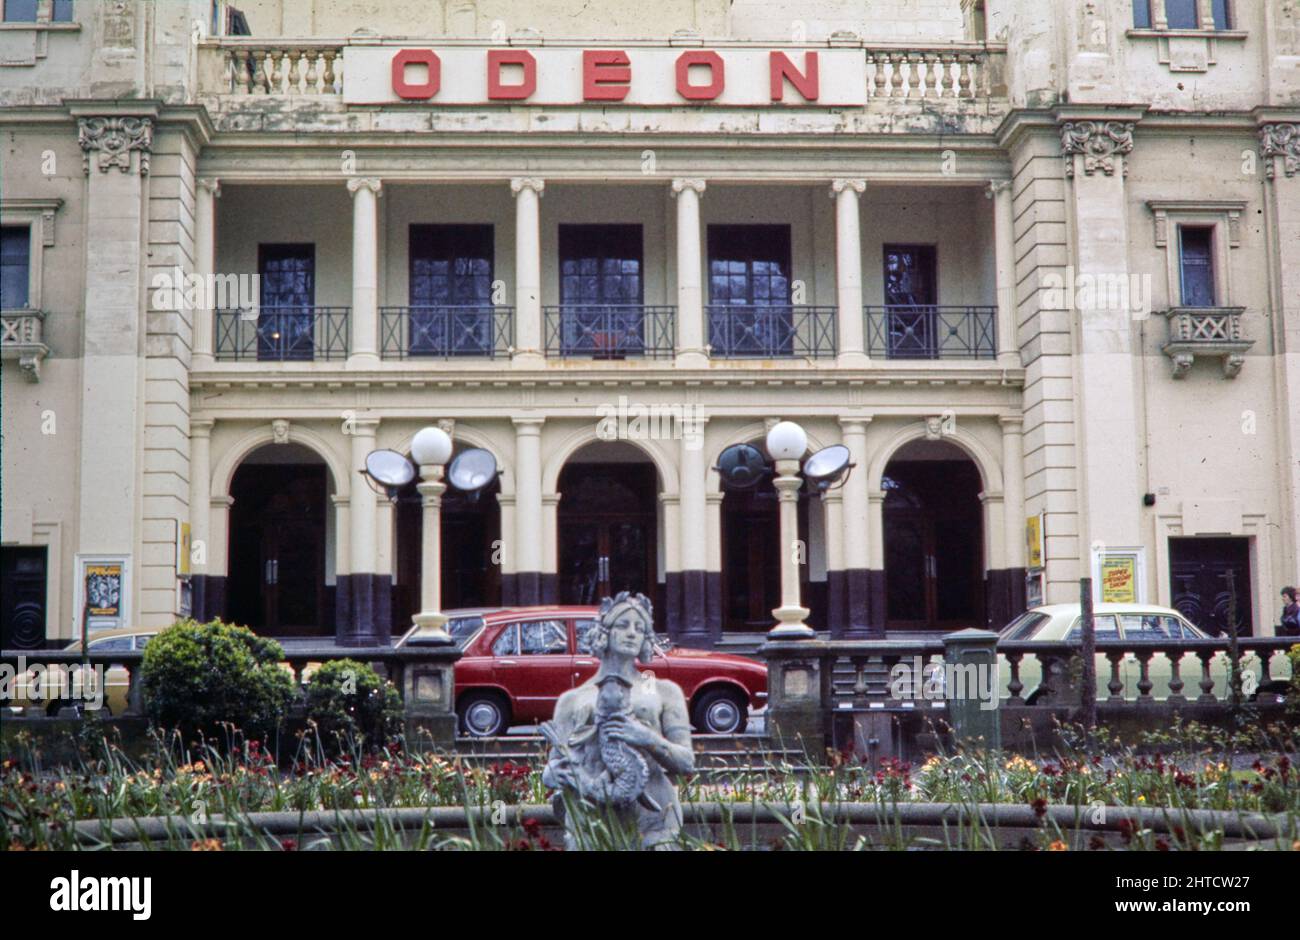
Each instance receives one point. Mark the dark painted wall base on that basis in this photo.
(859, 610)
(363, 610)
(1004, 591)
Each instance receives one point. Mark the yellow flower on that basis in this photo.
(1058, 846)
(1142, 798)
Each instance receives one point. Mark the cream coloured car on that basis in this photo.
(1133, 623)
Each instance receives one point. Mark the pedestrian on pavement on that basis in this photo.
(1290, 613)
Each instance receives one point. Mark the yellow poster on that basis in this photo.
(1034, 541)
(1118, 579)
(183, 551)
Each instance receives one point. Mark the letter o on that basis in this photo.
(700, 92)
(407, 91)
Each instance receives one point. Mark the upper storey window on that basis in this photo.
(15, 266)
(24, 11)
(1181, 14)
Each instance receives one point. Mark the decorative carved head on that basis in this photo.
(627, 621)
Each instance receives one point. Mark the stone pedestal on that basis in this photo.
(798, 695)
(428, 684)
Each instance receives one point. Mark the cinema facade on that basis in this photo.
(1036, 267)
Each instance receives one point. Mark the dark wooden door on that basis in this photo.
(607, 532)
(1204, 575)
(22, 597)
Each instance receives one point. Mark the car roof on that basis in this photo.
(1055, 609)
(500, 614)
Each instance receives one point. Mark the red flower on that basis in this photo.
(288, 845)
(1040, 807)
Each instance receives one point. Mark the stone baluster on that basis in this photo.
(965, 63)
(878, 80)
(1144, 679)
(1015, 686)
(330, 76)
(896, 61)
(1207, 680)
(915, 69)
(311, 56)
(261, 78)
(1175, 676)
(947, 84)
(1116, 685)
(861, 689)
(294, 76)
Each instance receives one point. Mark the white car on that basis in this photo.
(1133, 622)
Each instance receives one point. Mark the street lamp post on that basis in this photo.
(431, 449)
(786, 443)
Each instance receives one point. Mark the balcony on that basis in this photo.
(771, 332)
(281, 334)
(446, 332)
(20, 339)
(609, 331)
(931, 332)
(1206, 331)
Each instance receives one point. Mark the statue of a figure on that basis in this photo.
(616, 738)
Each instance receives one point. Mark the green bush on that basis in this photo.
(200, 675)
(350, 703)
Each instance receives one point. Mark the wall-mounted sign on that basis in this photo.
(635, 75)
(1034, 589)
(1034, 548)
(183, 549)
(1119, 575)
(103, 592)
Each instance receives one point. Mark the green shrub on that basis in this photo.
(350, 702)
(200, 675)
(1293, 693)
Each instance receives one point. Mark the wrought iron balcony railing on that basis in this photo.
(609, 331)
(444, 332)
(771, 332)
(932, 332)
(1206, 331)
(282, 334)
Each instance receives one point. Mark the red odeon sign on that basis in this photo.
(461, 75)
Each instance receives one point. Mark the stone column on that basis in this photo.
(713, 558)
(218, 555)
(836, 591)
(691, 329)
(364, 351)
(528, 510)
(364, 595)
(1004, 240)
(116, 150)
(848, 270)
(1094, 144)
(529, 343)
(693, 534)
(205, 264)
(857, 534)
(1006, 585)
(200, 510)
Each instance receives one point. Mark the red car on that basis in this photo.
(517, 662)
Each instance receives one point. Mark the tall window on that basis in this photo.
(601, 290)
(1142, 14)
(24, 11)
(749, 290)
(1222, 14)
(911, 292)
(286, 321)
(1196, 261)
(15, 266)
(451, 290)
(1183, 14)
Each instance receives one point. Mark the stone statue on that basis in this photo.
(616, 738)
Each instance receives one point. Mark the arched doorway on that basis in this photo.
(471, 539)
(933, 539)
(280, 546)
(751, 560)
(608, 525)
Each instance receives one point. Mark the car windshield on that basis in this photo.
(1023, 627)
(462, 629)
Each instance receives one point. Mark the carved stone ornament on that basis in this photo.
(1280, 140)
(114, 138)
(618, 739)
(1098, 142)
(279, 431)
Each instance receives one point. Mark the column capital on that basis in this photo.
(360, 427)
(695, 184)
(201, 427)
(358, 183)
(114, 138)
(1098, 142)
(527, 426)
(1012, 424)
(211, 185)
(844, 185)
(520, 183)
(858, 423)
(1280, 139)
(996, 188)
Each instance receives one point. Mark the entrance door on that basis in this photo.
(607, 530)
(933, 545)
(1204, 573)
(277, 548)
(22, 598)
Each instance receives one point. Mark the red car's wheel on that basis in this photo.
(721, 711)
(483, 714)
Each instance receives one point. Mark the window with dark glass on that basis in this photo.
(1196, 261)
(1183, 14)
(749, 269)
(1222, 10)
(1142, 14)
(286, 319)
(601, 289)
(20, 11)
(15, 266)
(62, 11)
(451, 290)
(911, 292)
